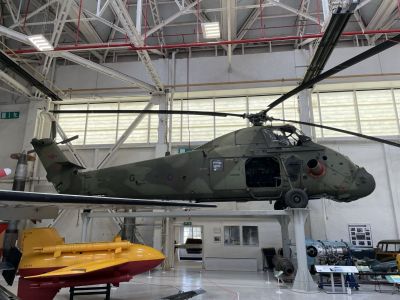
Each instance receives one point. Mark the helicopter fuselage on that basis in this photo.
(252, 164)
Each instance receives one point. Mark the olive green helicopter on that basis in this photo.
(259, 163)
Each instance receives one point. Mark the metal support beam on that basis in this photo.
(28, 213)
(301, 20)
(248, 23)
(204, 213)
(161, 146)
(136, 39)
(105, 22)
(139, 6)
(57, 31)
(202, 16)
(305, 112)
(104, 7)
(14, 84)
(229, 27)
(107, 71)
(157, 20)
(382, 14)
(326, 10)
(112, 33)
(303, 281)
(361, 23)
(123, 137)
(33, 13)
(293, 10)
(172, 18)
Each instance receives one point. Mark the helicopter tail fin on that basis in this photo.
(61, 172)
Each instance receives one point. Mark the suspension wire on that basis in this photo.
(261, 19)
(187, 92)
(26, 14)
(79, 22)
(145, 22)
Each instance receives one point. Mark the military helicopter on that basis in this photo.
(259, 163)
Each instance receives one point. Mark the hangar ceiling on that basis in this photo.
(101, 27)
(90, 32)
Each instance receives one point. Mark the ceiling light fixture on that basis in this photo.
(211, 30)
(40, 42)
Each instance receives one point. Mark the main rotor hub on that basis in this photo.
(259, 118)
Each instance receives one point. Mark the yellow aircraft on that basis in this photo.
(49, 264)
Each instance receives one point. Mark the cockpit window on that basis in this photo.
(285, 136)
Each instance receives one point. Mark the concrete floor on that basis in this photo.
(219, 285)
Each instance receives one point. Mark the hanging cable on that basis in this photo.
(26, 13)
(187, 92)
(145, 22)
(198, 17)
(79, 22)
(261, 19)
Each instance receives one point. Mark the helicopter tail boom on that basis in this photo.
(61, 172)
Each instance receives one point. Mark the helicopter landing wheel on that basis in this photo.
(279, 205)
(296, 198)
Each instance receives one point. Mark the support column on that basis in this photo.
(161, 146)
(168, 244)
(85, 225)
(129, 229)
(284, 222)
(306, 114)
(303, 281)
(139, 16)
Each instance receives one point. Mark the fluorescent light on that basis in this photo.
(211, 30)
(40, 42)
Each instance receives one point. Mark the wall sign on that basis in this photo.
(6, 115)
(360, 235)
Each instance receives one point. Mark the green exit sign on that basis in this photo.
(187, 223)
(9, 115)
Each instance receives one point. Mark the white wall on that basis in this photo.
(11, 136)
(263, 69)
(380, 209)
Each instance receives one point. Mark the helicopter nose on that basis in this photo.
(363, 184)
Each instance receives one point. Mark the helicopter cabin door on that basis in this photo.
(227, 174)
(263, 177)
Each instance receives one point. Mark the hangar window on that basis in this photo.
(372, 112)
(250, 235)
(262, 172)
(231, 235)
(191, 232)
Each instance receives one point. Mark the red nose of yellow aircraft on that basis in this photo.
(49, 264)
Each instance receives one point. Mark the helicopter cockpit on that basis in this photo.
(284, 136)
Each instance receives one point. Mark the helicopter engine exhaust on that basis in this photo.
(316, 168)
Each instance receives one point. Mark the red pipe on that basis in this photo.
(199, 44)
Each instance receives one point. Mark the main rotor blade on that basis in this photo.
(368, 137)
(147, 111)
(336, 25)
(343, 66)
(12, 65)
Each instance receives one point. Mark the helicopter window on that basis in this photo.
(262, 172)
(281, 137)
